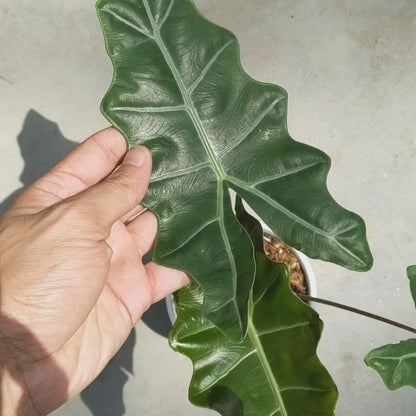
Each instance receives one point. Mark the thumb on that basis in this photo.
(120, 192)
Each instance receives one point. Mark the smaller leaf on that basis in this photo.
(251, 224)
(396, 363)
(274, 371)
(411, 274)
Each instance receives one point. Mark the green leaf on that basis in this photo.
(251, 225)
(396, 363)
(411, 274)
(275, 370)
(179, 89)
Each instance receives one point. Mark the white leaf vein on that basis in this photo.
(139, 29)
(181, 172)
(209, 65)
(150, 109)
(195, 233)
(282, 328)
(228, 249)
(304, 388)
(256, 122)
(169, 9)
(228, 371)
(284, 174)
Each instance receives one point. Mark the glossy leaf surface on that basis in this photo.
(396, 363)
(275, 370)
(179, 89)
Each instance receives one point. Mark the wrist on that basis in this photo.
(14, 396)
(28, 384)
(14, 400)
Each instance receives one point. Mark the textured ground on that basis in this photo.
(349, 69)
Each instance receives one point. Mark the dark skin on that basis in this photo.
(72, 281)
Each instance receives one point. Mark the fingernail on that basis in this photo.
(136, 156)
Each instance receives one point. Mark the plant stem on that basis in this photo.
(357, 311)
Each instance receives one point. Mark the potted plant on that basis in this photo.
(302, 277)
(179, 89)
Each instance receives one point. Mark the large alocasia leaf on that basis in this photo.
(396, 363)
(178, 88)
(275, 370)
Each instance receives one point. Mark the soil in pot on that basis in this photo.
(279, 252)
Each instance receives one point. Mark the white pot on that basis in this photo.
(303, 260)
(170, 307)
(306, 265)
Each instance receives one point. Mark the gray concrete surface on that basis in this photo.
(349, 68)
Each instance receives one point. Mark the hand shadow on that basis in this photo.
(104, 396)
(42, 145)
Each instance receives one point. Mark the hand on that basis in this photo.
(72, 281)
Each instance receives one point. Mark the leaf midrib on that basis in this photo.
(252, 333)
(399, 358)
(330, 236)
(185, 94)
(205, 142)
(255, 347)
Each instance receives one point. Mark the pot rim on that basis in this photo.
(304, 261)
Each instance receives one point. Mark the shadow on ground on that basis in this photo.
(42, 145)
(104, 397)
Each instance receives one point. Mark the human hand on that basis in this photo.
(72, 281)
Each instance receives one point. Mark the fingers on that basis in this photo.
(119, 193)
(162, 280)
(165, 281)
(85, 166)
(143, 231)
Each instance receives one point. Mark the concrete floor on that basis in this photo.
(349, 69)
